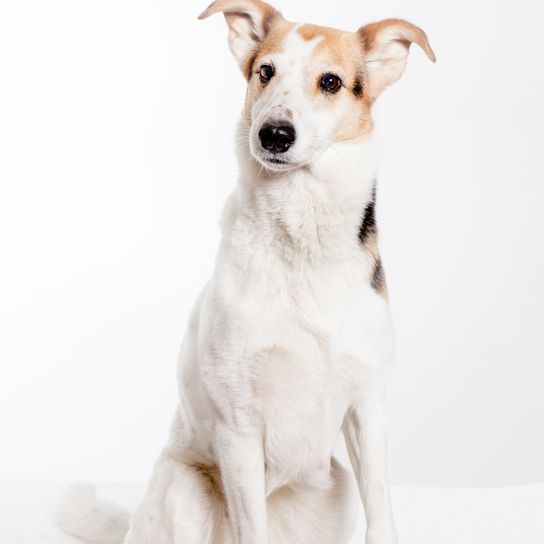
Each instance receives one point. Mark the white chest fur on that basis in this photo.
(289, 322)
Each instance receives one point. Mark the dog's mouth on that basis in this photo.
(277, 164)
(275, 160)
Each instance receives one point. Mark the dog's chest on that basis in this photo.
(302, 403)
(306, 379)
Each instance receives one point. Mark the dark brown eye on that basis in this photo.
(266, 73)
(331, 83)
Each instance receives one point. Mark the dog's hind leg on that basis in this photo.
(181, 506)
(324, 514)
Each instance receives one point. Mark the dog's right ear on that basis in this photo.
(249, 22)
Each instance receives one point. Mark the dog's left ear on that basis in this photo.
(386, 46)
(249, 22)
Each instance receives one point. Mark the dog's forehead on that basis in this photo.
(333, 43)
(306, 42)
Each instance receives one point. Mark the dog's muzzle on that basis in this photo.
(277, 138)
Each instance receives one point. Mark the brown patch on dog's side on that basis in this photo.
(211, 475)
(368, 236)
(377, 280)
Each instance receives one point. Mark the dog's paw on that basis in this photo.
(382, 535)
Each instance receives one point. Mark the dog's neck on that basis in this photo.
(312, 213)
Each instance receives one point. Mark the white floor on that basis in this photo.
(424, 515)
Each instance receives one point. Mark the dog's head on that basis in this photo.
(310, 87)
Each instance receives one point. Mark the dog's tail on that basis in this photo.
(81, 514)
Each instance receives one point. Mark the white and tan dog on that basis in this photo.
(289, 342)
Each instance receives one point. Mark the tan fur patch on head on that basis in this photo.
(343, 49)
(278, 29)
(339, 47)
(274, 40)
(273, 43)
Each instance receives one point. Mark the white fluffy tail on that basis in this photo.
(81, 514)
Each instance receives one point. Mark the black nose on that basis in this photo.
(277, 138)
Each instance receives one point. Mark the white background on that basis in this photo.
(116, 153)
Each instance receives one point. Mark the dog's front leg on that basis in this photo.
(364, 432)
(241, 460)
(230, 361)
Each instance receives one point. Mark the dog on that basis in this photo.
(288, 344)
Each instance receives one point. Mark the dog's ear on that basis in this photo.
(386, 44)
(249, 22)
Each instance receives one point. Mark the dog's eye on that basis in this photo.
(331, 83)
(266, 73)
